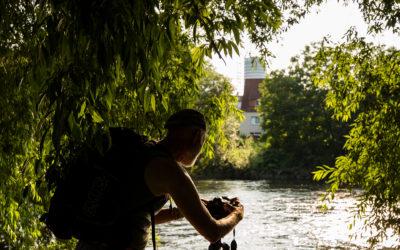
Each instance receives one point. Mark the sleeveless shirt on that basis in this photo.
(132, 229)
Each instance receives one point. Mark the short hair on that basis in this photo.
(186, 118)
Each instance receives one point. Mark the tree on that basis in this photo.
(362, 79)
(71, 69)
(217, 102)
(299, 132)
(364, 85)
(379, 14)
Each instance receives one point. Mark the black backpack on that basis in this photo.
(89, 201)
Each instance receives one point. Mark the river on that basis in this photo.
(277, 216)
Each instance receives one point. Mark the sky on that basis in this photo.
(331, 19)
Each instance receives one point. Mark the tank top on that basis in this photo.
(132, 230)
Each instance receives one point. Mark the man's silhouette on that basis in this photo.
(164, 176)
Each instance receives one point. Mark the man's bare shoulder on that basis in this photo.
(161, 173)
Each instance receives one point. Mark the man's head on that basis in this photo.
(186, 131)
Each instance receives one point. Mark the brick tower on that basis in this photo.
(254, 74)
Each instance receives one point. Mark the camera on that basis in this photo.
(219, 208)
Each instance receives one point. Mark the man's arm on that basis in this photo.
(165, 177)
(166, 215)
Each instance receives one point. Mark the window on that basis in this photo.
(255, 120)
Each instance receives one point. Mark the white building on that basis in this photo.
(254, 74)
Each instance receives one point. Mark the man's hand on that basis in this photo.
(205, 202)
(175, 213)
(234, 206)
(230, 206)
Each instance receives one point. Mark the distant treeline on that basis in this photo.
(299, 132)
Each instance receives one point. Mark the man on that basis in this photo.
(164, 176)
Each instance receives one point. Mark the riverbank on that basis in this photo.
(252, 173)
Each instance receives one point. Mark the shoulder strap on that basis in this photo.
(153, 229)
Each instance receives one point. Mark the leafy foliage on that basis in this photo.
(299, 132)
(217, 103)
(364, 85)
(380, 15)
(71, 69)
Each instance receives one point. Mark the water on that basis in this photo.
(277, 216)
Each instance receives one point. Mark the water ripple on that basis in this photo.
(277, 216)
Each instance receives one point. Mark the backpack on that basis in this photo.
(88, 202)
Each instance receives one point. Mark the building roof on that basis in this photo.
(253, 69)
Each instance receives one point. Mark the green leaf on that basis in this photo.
(153, 103)
(74, 127)
(235, 47)
(172, 29)
(109, 99)
(164, 102)
(82, 110)
(236, 33)
(229, 4)
(96, 117)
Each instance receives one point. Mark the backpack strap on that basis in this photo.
(158, 150)
(153, 229)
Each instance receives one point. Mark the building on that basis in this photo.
(254, 74)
